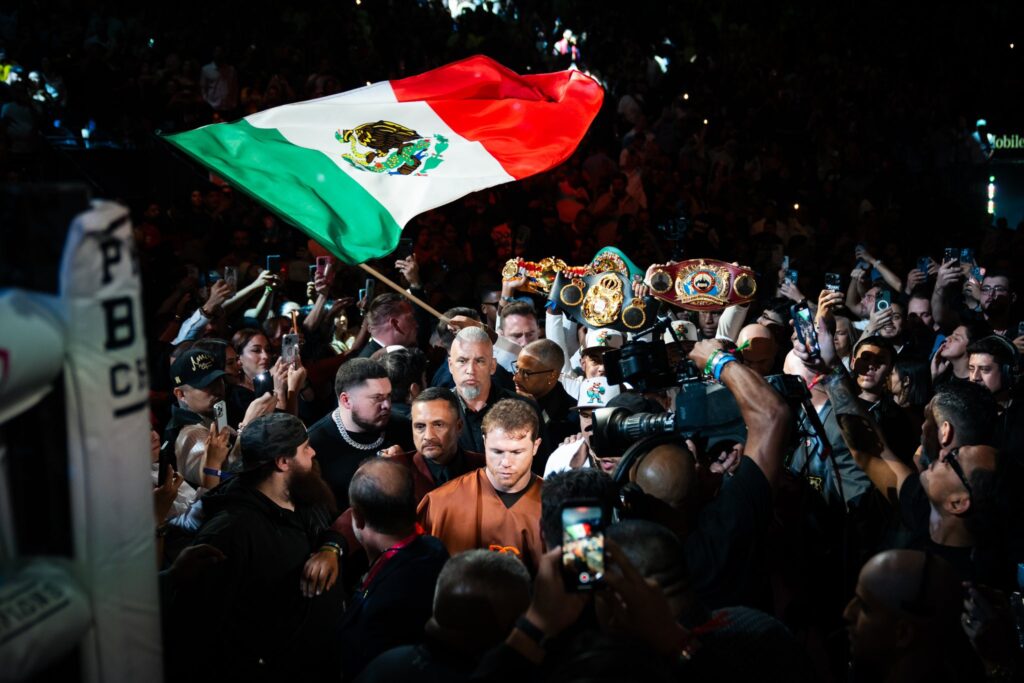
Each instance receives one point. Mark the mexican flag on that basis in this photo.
(352, 169)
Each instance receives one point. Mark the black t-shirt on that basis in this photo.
(915, 511)
(510, 499)
(338, 460)
(722, 553)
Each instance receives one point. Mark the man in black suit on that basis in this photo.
(391, 322)
(395, 599)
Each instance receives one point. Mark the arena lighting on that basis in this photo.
(796, 207)
(686, 95)
(705, 122)
(991, 195)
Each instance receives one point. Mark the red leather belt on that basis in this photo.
(702, 284)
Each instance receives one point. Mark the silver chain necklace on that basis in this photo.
(349, 440)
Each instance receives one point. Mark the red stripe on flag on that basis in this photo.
(528, 123)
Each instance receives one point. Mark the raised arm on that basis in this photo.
(764, 412)
(860, 431)
(891, 278)
(949, 278)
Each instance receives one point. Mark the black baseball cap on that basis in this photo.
(269, 437)
(196, 368)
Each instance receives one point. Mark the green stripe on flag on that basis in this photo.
(302, 185)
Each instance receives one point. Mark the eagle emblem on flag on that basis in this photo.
(391, 148)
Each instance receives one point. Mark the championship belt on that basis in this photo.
(539, 275)
(602, 300)
(610, 259)
(703, 284)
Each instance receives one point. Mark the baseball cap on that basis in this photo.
(635, 403)
(269, 437)
(684, 328)
(595, 393)
(196, 368)
(604, 337)
(876, 340)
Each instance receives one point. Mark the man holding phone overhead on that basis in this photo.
(198, 388)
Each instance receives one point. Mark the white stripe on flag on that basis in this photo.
(467, 166)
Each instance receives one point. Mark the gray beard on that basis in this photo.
(470, 393)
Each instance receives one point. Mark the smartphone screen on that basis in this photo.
(1020, 329)
(950, 254)
(289, 348)
(833, 282)
(582, 545)
(977, 274)
(922, 265)
(274, 263)
(883, 300)
(231, 276)
(966, 255)
(312, 273)
(322, 262)
(262, 383)
(220, 412)
(785, 263)
(792, 276)
(805, 332)
(371, 285)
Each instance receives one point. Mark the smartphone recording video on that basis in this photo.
(262, 383)
(274, 264)
(803, 321)
(582, 545)
(833, 282)
(220, 413)
(322, 263)
(289, 348)
(883, 301)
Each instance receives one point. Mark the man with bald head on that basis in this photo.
(758, 346)
(904, 621)
(393, 602)
(722, 540)
(536, 373)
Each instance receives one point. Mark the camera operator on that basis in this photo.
(721, 539)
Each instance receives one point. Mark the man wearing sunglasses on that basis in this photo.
(946, 506)
(536, 372)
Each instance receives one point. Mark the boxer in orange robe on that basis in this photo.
(496, 507)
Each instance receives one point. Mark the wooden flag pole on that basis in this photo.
(408, 295)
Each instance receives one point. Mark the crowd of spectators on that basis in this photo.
(348, 487)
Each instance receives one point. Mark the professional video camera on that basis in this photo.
(705, 412)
